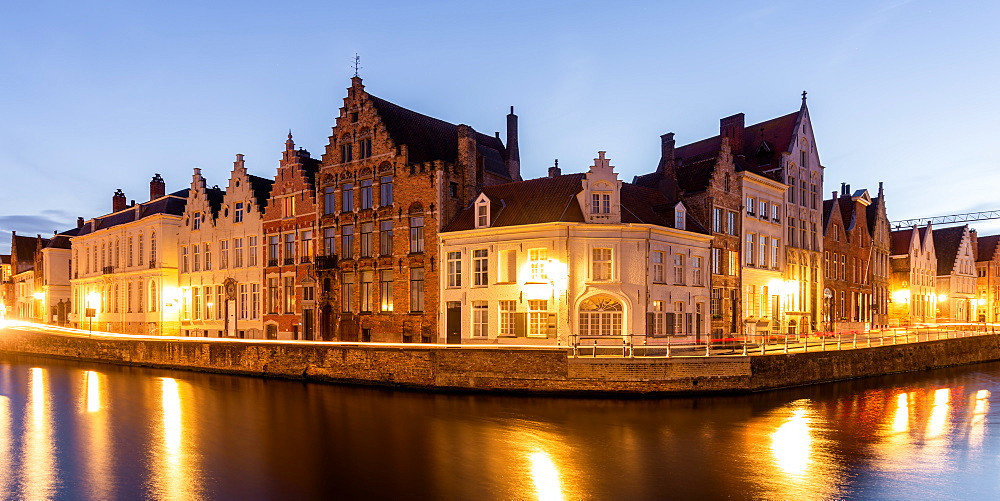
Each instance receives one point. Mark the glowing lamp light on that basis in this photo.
(93, 300)
(980, 301)
(39, 295)
(942, 298)
(901, 296)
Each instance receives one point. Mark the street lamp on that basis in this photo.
(93, 300)
(828, 295)
(39, 296)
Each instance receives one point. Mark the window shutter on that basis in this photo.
(670, 324)
(690, 318)
(650, 318)
(520, 324)
(551, 332)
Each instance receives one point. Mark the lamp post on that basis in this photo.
(93, 300)
(40, 308)
(828, 295)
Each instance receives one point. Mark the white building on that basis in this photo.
(766, 294)
(545, 260)
(914, 276)
(221, 266)
(956, 274)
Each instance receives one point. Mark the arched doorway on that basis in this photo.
(601, 315)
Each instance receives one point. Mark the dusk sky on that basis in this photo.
(96, 96)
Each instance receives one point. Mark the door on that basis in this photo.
(454, 322)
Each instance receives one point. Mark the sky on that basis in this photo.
(97, 96)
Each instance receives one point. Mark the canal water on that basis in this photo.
(72, 430)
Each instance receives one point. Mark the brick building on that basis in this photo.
(855, 259)
(390, 179)
(955, 249)
(289, 226)
(702, 175)
(988, 278)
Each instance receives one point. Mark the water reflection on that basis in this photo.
(6, 450)
(38, 472)
(901, 422)
(937, 425)
(790, 442)
(977, 419)
(175, 472)
(96, 451)
(545, 476)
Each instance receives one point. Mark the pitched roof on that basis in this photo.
(428, 139)
(261, 188)
(554, 199)
(4, 258)
(60, 241)
(172, 204)
(947, 242)
(987, 246)
(901, 241)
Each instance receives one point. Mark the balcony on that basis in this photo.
(152, 263)
(326, 262)
(305, 259)
(272, 262)
(289, 260)
(107, 270)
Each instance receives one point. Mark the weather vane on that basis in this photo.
(357, 63)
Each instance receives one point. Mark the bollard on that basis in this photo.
(762, 348)
(744, 347)
(668, 347)
(708, 347)
(786, 343)
(839, 340)
(855, 339)
(595, 348)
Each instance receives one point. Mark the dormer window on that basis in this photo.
(600, 202)
(680, 217)
(483, 212)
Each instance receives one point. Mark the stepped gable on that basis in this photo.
(261, 188)
(554, 199)
(947, 241)
(987, 247)
(428, 139)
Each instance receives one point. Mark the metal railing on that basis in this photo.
(638, 345)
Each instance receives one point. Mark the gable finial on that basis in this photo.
(357, 64)
(803, 97)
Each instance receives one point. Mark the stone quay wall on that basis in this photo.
(504, 369)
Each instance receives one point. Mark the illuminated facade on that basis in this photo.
(125, 265)
(955, 249)
(39, 280)
(988, 278)
(544, 260)
(221, 269)
(766, 294)
(913, 282)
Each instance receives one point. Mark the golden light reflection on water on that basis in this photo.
(545, 476)
(175, 471)
(97, 460)
(901, 421)
(38, 475)
(6, 466)
(937, 425)
(790, 443)
(977, 419)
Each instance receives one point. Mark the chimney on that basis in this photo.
(157, 188)
(848, 192)
(667, 147)
(555, 170)
(79, 222)
(732, 127)
(843, 189)
(835, 194)
(118, 201)
(513, 156)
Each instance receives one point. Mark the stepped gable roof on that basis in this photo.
(827, 213)
(987, 246)
(947, 241)
(428, 139)
(900, 241)
(24, 247)
(554, 199)
(261, 188)
(172, 204)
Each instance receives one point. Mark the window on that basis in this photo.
(243, 303)
(289, 294)
(272, 250)
(196, 221)
(416, 289)
(537, 258)
(762, 254)
(538, 318)
(480, 267)
(453, 190)
(482, 215)
(347, 241)
(791, 231)
(196, 254)
(385, 290)
(763, 210)
(252, 252)
(696, 264)
(480, 318)
(366, 194)
(365, 148)
(802, 193)
(455, 269)
(680, 219)
(208, 255)
(289, 248)
(223, 254)
(679, 268)
(750, 205)
(272, 295)
(347, 197)
(184, 259)
(748, 249)
(254, 300)
(237, 252)
(346, 152)
(600, 316)
(508, 318)
(152, 296)
(716, 261)
(385, 191)
(288, 206)
(812, 236)
(717, 221)
(209, 303)
(658, 319)
(802, 234)
(366, 239)
(366, 290)
(774, 253)
(307, 246)
(731, 223)
(601, 259)
(238, 213)
(416, 234)
(775, 213)
(791, 189)
(802, 154)
(329, 200)
(329, 241)
(508, 266)
(814, 197)
(657, 258)
(600, 203)
(196, 295)
(733, 259)
(346, 291)
(716, 305)
(152, 249)
(130, 256)
(385, 238)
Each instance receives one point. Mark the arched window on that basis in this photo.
(152, 249)
(601, 316)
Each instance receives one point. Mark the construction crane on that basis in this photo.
(944, 220)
